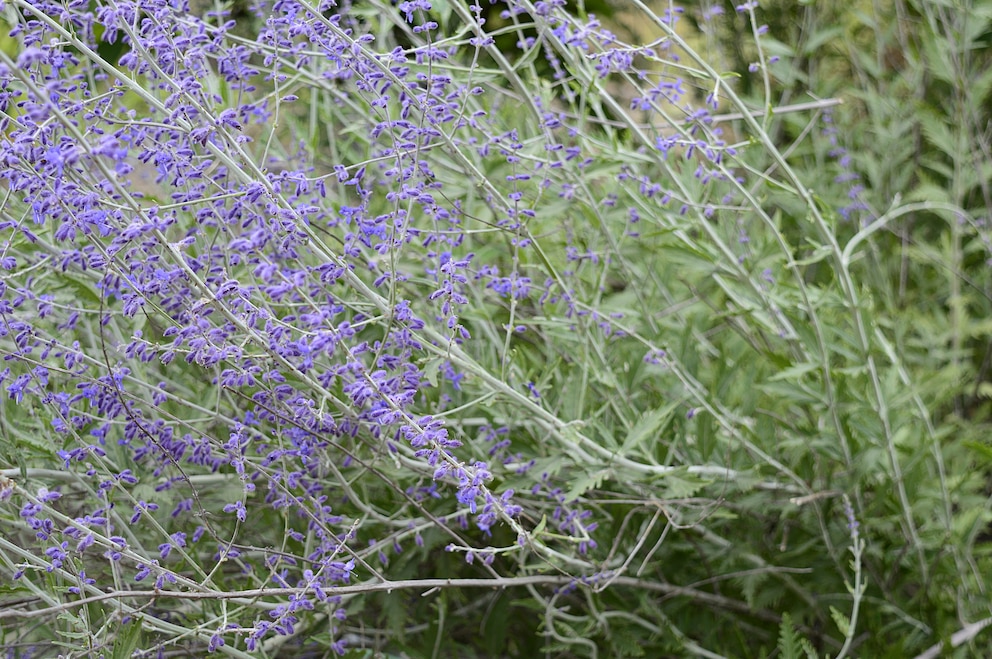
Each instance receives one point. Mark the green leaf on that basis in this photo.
(790, 392)
(496, 622)
(396, 615)
(75, 622)
(13, 588)
(431, 369)
(841, 620)
(819, 254)
(540, 526)
(646, 427)
(821, 37)
(81, 288)
(127, 641)
(788, 639)
(811, 652)
(28, 435)
(983, 450)
(627, 644)
(937, 131)
(680, 484)
(981, 86)
(585, 483)
(927, 191)
(794, 372)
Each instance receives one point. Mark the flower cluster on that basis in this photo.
(848, 177)
(258, 290)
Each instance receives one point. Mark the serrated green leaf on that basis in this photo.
(742, 299)
(808, 648)
(841, 620)
(981, 86)
(924, 191)
(74, 635)
(937, 59)
(12, 589)
(29, 438)
(647, 427)
(584, 483)
(937, 131)
(127, 641)
(680, 484)
(789, 392)
(794, 372)
(626, 644)
(81, 288)
(788, 639)
(981, 449)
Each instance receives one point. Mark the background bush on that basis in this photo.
(446, 330)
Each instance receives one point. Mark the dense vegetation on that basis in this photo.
(434, 329)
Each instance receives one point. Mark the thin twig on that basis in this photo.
(499, 583)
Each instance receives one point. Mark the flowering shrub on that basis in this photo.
(342, 329)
